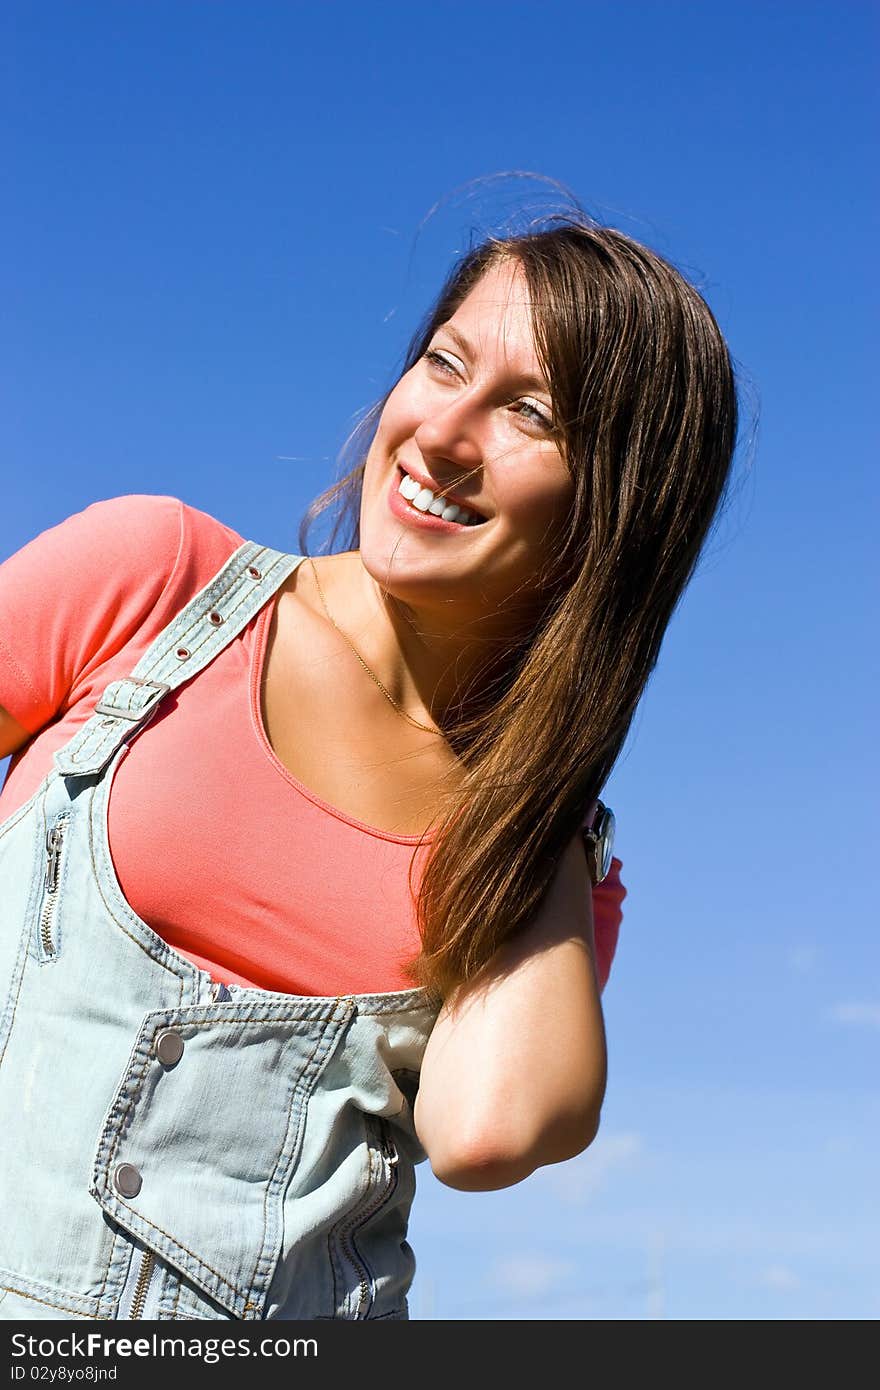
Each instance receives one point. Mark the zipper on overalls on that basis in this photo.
(138, 1281)
(54, 845)
(145, 1273)
(389, 1158)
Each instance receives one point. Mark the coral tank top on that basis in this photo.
(217, 847)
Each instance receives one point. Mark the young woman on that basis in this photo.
(339, 913)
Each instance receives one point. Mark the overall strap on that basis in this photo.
(208, 623)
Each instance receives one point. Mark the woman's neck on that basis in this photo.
(429, 660)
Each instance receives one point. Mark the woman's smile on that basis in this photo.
(418, 501)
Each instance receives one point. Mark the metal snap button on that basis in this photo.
(216, 618)
(254, 572)
(169, 1047)
(127, 1180)
(183, 653)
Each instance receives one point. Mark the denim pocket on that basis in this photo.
(205, 1132)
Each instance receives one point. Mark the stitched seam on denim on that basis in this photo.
(354, 1223)
(47, 1302)
(389, 1003)
(138, 1220)
(198, 619)
(174, 632)
(257, 1017)
(120, 1237)
(10, 1009)
(135, 693)
(25, 1285)
(178, 1244)
(222, 584)
(347, 1223)
(136, 1216)
(12, 821)
(330, 1039)
(213, 596)
(378, 1196)
(95, 801)
(97, 811)
(65, 1307)
(108, 907)
(86, 819)
(100, 795)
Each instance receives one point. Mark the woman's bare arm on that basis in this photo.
(12, 735)
(514, 1072)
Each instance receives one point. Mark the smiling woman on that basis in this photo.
(373, 907)
(573, 390)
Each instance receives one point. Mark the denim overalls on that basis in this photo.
(173, 1147)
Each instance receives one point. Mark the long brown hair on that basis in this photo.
(645, 400)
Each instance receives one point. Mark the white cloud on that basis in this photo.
(580, 1178)
(862, 1015)
(779, 1277)
(529, 1276)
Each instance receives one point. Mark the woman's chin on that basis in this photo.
(405, 569)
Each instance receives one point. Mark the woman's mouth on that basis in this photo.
(412, 501)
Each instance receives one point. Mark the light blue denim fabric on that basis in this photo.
(172, 1148)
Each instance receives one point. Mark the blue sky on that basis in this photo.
(214, 249)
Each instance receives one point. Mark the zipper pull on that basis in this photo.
(389, 1147)
(53, 846)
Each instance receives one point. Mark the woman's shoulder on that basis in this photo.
(156, 524)
(83, 590)
(126, 531)
(158, 550)
(122, 556)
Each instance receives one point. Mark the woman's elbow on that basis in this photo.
(490, 1159)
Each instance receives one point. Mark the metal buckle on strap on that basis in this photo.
(159, 688)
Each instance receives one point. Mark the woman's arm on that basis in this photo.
(12, 735)
(514, 1072)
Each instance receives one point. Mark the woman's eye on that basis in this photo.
(534, 416)
(437, 360)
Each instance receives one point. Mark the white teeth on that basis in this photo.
(409, 487)
(425, 501)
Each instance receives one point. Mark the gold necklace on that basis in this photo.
(372, 674)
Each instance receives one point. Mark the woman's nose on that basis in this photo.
(452, 432)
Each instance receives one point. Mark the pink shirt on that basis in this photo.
(217, 847)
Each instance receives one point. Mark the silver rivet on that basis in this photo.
(183, 653)
(169, 1047)
(127, 1180)
(216, 618)
(254, 572)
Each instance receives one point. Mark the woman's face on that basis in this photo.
(470, 423)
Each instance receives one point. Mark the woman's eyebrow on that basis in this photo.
(534, 383)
